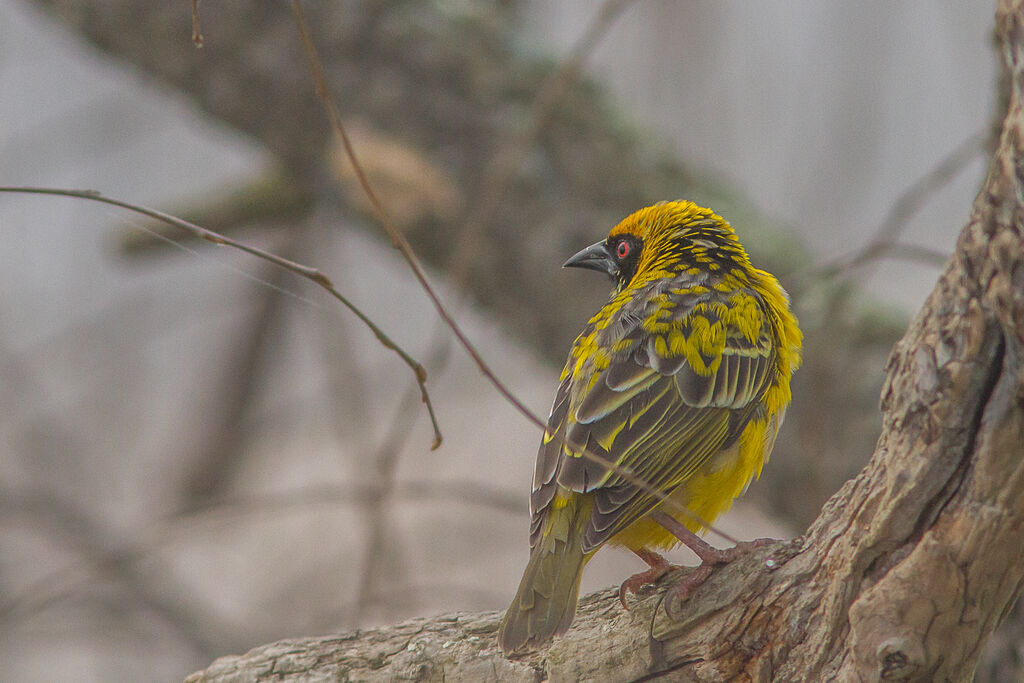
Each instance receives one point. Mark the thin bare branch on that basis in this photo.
(400, 243)
(503, 165)
(197, 35)
(397, 239)
(496, 177)
(904, 208)
(311, 274)
(509, 158)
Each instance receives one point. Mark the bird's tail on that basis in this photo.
(545, 604)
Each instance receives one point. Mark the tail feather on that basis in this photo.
(545, 604)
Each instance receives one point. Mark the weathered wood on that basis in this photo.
(903, 576)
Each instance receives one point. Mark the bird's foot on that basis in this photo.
(659, 566)
(711, 558)
(717, 556)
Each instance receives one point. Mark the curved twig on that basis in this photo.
(311, 274)
(399, 242)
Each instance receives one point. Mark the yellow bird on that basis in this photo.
(681, 379)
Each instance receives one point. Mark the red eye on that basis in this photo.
(622, 251)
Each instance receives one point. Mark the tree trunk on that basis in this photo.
(903, 576)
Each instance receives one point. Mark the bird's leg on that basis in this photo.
(659, 566)
(710, 556)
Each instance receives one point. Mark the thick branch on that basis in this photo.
(905, 573)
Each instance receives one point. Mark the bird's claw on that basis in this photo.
(675, 595)
(647, 578)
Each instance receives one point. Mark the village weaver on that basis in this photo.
(680, 381)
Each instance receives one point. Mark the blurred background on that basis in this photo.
(200, 453)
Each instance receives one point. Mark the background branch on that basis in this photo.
(311, 274)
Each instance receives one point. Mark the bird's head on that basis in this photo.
(662, 241)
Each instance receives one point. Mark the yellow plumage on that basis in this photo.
(682, 377)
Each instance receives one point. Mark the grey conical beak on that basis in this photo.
(596, 257)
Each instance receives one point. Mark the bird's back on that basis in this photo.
(673, 393)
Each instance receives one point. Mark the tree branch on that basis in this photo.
(453, 101)
(904, 574)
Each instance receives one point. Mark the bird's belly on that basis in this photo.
(707, 493)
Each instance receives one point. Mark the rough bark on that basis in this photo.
(903, 576)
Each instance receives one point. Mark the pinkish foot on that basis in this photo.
(717, 556)
(659, 566)
(710, 557)
(681, 591)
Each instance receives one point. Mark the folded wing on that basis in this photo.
(684, 380)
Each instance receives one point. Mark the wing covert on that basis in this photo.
(682, 382)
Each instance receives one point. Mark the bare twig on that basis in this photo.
(903, 251)
(197, 35)
(311, 274)
(507, 161)
(884, 241)
(501, 167)
(397, 239)
(400, 243)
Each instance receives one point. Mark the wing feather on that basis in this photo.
(673, 394)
